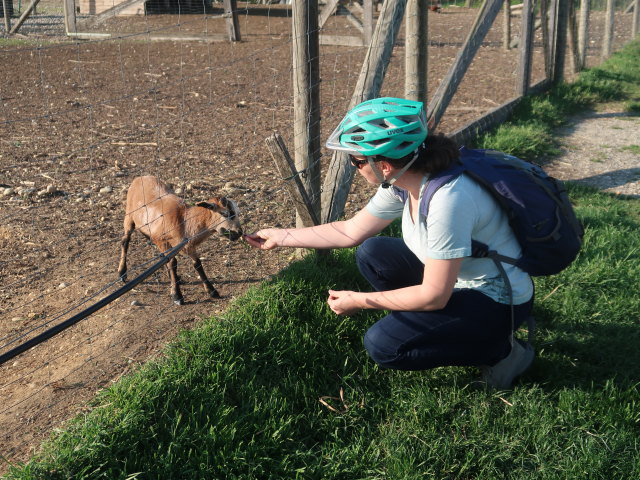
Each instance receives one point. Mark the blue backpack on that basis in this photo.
(537, 206)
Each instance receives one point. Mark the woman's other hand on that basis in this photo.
(343, 302)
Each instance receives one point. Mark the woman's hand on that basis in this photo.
(266, 239)
(343, 302)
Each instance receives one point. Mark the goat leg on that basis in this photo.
(122, 267)
(208, 286)
(176, 294)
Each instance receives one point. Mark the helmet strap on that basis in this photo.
(386, 183)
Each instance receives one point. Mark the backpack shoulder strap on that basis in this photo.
(435, 182)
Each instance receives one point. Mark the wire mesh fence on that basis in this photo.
(157, 91)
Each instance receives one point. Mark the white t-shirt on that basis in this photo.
(459, 211)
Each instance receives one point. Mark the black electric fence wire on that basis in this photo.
(165, 258)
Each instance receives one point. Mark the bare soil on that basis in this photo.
(83, 119)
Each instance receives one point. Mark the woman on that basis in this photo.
(446, 308)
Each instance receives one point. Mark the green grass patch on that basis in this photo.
(635, 149)
(529, 134)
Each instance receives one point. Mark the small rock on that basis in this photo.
(63, 285)
(136, 303)
(7, 192)
(106, 190)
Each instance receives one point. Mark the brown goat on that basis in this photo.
(155, 211)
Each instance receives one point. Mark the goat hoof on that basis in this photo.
(123, 277)
(178, 300)
(214, 294)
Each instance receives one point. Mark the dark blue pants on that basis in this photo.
(472, 329)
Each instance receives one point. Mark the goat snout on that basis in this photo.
(231, 234)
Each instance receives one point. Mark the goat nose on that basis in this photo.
(231, 234)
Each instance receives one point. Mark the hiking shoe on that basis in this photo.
(502, 374)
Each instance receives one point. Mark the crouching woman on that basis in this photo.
(445, 307)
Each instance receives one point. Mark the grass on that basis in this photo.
(530, 132)
(240, 396)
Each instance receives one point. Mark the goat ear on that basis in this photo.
(207, 205)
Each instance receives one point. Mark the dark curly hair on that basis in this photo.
(437, 153)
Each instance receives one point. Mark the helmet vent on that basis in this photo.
(404, 145)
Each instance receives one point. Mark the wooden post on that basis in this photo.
(449, 84)
(231, 14)
(562, 14)
(327, 11)
(70, 16)
(289, 173)
(506, 31)
(544, 24)
(416, 50)
(24, 16)
(526, 37)
(7, 15)
(552, 6)
(608, 30)
(635, 26)
(340, 173)
(306, 98)
(583, 32)
(367, 18)
(573, 38)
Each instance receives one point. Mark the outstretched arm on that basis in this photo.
(347, 233)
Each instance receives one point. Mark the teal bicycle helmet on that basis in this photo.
(390, 127)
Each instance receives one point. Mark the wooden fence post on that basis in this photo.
(367, 20)
(506, 31)
(552, 40)
(416, 50)
(583, 32)
(340, 173)
(289, 174)
(608, 30)
(306, 98)
(573, 37)
(544, 25)
(70, 16)
(28, 11)
(635, 26)
(463, 59)
(7, 15)
(231, 13)
(562, 14)
(526, 40)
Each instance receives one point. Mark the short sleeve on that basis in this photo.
(385, 204)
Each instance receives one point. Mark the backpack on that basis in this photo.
(537, 207)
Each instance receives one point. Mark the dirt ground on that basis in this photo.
(79, 121)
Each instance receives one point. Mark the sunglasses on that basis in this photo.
(357, 163)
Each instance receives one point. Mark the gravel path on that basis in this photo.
(602, 149)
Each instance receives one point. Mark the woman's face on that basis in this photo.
(365, 168)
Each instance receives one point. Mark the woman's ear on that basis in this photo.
(385, 167)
